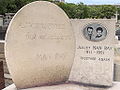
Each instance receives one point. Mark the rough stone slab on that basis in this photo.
(116, 86)
(39, 45)
(94, 56)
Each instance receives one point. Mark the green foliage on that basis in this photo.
(107, 11)
(69, 8)
(3, 8)
(102, 11)
(80, 10)
(12, 6)
(118, 9)
(73, 10)
(94, 12)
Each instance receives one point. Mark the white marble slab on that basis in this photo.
(94, 56)
(39, 45)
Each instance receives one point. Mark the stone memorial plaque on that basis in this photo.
(39, 45)
(94, 56)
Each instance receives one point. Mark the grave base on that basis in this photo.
(116, 86)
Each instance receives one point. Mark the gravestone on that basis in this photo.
(94, 56)
(1, 20)
(2, 81)
(40, 45)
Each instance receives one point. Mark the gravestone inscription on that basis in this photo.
(39, 48)
(94, 56)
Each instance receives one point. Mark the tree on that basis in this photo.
(12, 6)
(69, 8)
(3, 8)
(80, 10)
(118, 9)
(74, 10)
(107, 11)
(94, 12)
(102, 11)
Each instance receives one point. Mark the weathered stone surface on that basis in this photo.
(116, 86)
(40, 45)
(94, 56)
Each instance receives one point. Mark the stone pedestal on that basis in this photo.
(116, 86)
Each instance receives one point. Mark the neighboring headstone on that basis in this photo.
(94, 57)
(1, 20)
(2, 81)
(1, 25)
(40, 45)
(7, 19)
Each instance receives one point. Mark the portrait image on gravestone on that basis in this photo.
(95, 32)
